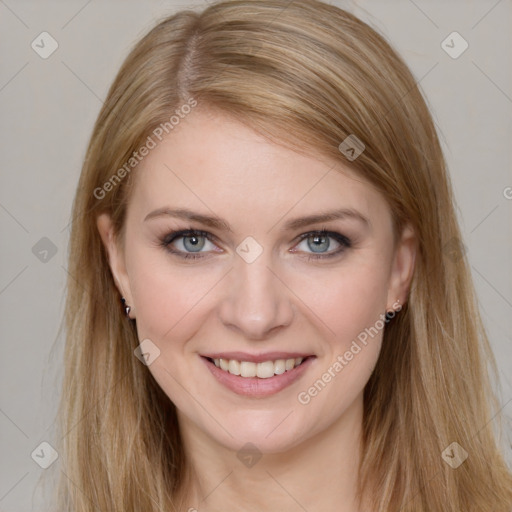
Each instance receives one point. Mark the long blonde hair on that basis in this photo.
(308, 75)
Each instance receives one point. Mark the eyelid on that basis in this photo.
(179, 233)
(325, 232)
(343, 241)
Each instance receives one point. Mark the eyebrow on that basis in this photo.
(213, 221)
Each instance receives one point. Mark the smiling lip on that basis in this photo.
(254, 386)
(256, 358)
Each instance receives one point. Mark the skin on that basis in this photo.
(214, 165)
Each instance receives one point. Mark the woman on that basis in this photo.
(268, 306)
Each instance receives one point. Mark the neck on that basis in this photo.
(318, 474)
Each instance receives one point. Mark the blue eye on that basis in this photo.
(193, 241)
(320, 241)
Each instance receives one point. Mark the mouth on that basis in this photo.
(257, 378)
(262, 370)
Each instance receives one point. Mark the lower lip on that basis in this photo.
(254, 386)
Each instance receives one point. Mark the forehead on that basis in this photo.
(212, 163)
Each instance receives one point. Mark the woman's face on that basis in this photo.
(257, 286)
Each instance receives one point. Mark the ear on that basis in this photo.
(116, 258)
(402, 269)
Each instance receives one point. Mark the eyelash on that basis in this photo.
(175, 235)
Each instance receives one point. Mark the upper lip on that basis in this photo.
(256, 358)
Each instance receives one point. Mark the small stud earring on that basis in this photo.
(127, 308)
(390, 314)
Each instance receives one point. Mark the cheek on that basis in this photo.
(170, 301)
(167, 296)
(346, 300)
(351, 306)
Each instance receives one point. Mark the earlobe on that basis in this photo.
(115, 259)
(403, 267)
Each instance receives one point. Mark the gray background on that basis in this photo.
(48, 109)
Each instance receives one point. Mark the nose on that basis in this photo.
(257, 301)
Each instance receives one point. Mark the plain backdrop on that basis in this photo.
(48, 107)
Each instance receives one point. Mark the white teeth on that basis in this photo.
(234, 367)
(280, 366)
(247, 369)
(263, 370)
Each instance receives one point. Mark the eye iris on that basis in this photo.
(321, 242)
(196, 243)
